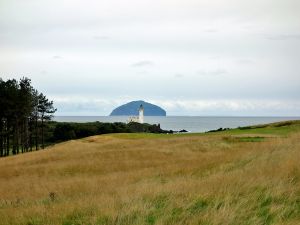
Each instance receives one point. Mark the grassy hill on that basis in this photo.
(242, 176)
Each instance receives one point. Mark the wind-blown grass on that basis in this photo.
(248, 176)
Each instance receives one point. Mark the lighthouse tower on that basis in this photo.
(141, 114)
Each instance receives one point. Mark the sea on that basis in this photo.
(193, 124)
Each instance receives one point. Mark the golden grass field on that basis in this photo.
(232, 177)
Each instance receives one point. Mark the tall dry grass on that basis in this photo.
(115, 179)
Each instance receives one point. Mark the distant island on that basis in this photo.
(132, 109)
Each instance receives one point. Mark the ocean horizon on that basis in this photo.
(190, 123)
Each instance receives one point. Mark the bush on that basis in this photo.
(64, 131)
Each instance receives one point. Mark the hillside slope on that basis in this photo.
(242, 176)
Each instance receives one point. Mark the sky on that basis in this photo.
(191, 57)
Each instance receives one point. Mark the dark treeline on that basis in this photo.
(59, 131)
(23, 113)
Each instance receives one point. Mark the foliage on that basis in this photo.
(23, 112)
(68, 131)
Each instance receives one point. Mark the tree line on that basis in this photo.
(23, 113)
(61, 131)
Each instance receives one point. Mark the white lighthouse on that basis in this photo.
(141, 114)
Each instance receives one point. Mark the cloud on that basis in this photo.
(109, 50)
(56, 57)
(143, 63)
(210, 30)
(178, 75)
(143, 72)
(218, 72)
(283, 37)
(78, 105)
(101, 37)
(44, 72)
(91, 105)
(245, 61)
(245, 107)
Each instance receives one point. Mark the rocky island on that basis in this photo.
(132, 109)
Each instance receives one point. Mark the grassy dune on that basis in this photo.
(240, 176)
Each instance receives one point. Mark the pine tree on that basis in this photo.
(46, 110)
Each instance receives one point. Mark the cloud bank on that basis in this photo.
(195, 57)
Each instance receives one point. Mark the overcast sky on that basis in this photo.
(191, 57)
